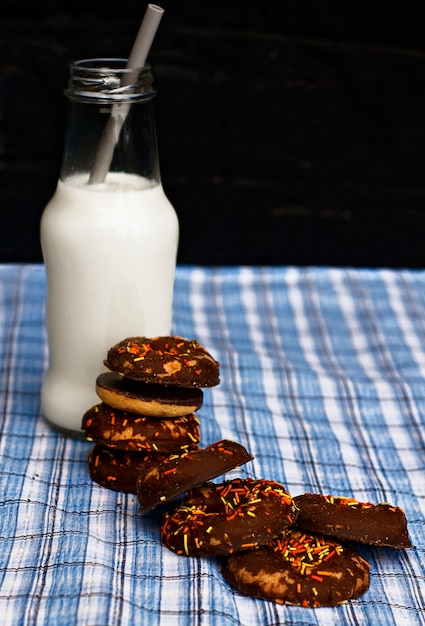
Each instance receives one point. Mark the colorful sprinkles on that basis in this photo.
(350, 502)
(305, 551)
(139, 349)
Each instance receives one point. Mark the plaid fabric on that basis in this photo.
(322, 379)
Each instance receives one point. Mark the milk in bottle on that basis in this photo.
(109, 247)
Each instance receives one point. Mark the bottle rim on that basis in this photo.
(109, 80)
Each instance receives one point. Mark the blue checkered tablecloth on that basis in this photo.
(322, 379)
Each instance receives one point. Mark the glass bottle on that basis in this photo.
(109, 243)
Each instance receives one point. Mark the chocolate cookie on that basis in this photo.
(160, 481)
(128, 431)
(346, 518)
(300, 569)
(218, 519)
(149, 399)
(118, 469)
(165, 360)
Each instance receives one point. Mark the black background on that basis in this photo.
(289, 132)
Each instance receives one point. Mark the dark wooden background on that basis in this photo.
(289, 131)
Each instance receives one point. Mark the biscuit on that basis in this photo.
(164, 360)
(118, 469)
(300, 569)
(128, 431)
(149, 399)
(218, 519)
(379, 524)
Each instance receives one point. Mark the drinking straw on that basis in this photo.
(137, 59)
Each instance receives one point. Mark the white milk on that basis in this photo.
(110, 253)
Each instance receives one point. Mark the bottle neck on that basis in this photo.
(111, 125)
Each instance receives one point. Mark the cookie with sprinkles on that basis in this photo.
(300, 569)
(165, 360)
(161, 480)
(128, 431)
(219, 519)
(346, 518)
(119, 470)
(151, 399)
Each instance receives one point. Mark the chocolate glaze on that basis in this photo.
(165, 360)
(345, 518)
(128, 431)
(326, 578)
(160, 482)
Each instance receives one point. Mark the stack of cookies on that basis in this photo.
(149, 398)
(278, 548)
